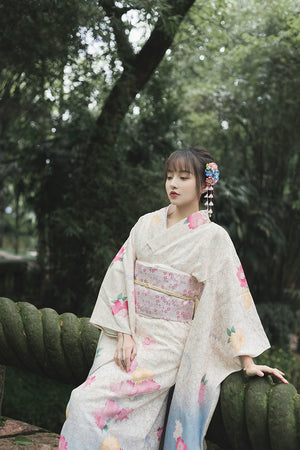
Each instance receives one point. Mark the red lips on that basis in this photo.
(173, 194)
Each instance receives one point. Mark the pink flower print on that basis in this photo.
(159, 433)
(112, 408)
(89, 381)
(130, 388)
(194, 220)
(62, 444)
(123, 312)
(123, 414)
(180, 445)
(148, 342)
(120, 305)
(241, 277)
(103, 415)
(147, 386)
(119, 256)
(202, 389)
(124, 388)
(100, 420)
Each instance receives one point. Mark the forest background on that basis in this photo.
(95, 95)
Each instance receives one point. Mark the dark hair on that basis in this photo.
(193, 160)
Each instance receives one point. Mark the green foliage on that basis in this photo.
(285, 360)
(50, 103)
(22, 440)
(241, 101)
(230, 81)
(35, 399)
(278, 321)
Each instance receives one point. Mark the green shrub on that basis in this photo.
(278, 320)
(285, 360)
(35, 399)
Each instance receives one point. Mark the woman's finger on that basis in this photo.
(118, 358)
(133, 352)
(275, 372)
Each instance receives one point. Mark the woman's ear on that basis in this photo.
(203, 189)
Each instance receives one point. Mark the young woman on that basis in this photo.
(174, 307)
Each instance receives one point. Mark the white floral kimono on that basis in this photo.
(116, 410)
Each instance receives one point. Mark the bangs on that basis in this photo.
(180, 162)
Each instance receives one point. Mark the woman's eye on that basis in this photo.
(183, 178)
(169, 178)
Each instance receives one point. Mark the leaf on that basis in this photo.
(232, 329)
(228, 332)
(22, 440)
(98, 351)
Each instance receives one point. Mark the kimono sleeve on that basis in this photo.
(114, 308)
(226, 325)
(235, 328)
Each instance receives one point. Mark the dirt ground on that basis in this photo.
(18, 435)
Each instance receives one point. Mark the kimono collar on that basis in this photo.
(193, 220)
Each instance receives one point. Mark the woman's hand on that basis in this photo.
(125, 352)
(252, 369)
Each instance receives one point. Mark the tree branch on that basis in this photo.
(136, 75)
(124, 48)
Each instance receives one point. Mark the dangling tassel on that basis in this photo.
(206, 196)
(210, 203)
(212, 176)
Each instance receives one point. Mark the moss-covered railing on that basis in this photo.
(254, 413)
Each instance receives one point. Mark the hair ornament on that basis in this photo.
(212, 176)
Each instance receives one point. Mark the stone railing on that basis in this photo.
(252, 414)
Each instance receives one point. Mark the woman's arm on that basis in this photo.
(252, 369)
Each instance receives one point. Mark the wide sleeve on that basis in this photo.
(114, 309)
(226, 325)
(226, 299)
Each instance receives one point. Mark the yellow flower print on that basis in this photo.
(155, 220)
(67, 413)
(110, 443)
(236, 338)
(247, 299)
(142, 374)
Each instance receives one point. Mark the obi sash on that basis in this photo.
(165, 293)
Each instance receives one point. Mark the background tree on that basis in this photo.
(77, 96)
(242, 100)
(86, 141)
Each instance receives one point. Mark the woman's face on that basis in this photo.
(181, 189)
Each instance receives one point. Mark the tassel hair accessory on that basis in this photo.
(212, 175)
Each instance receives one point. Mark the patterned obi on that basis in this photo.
(165, 293)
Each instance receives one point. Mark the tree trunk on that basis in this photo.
(135, 75)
